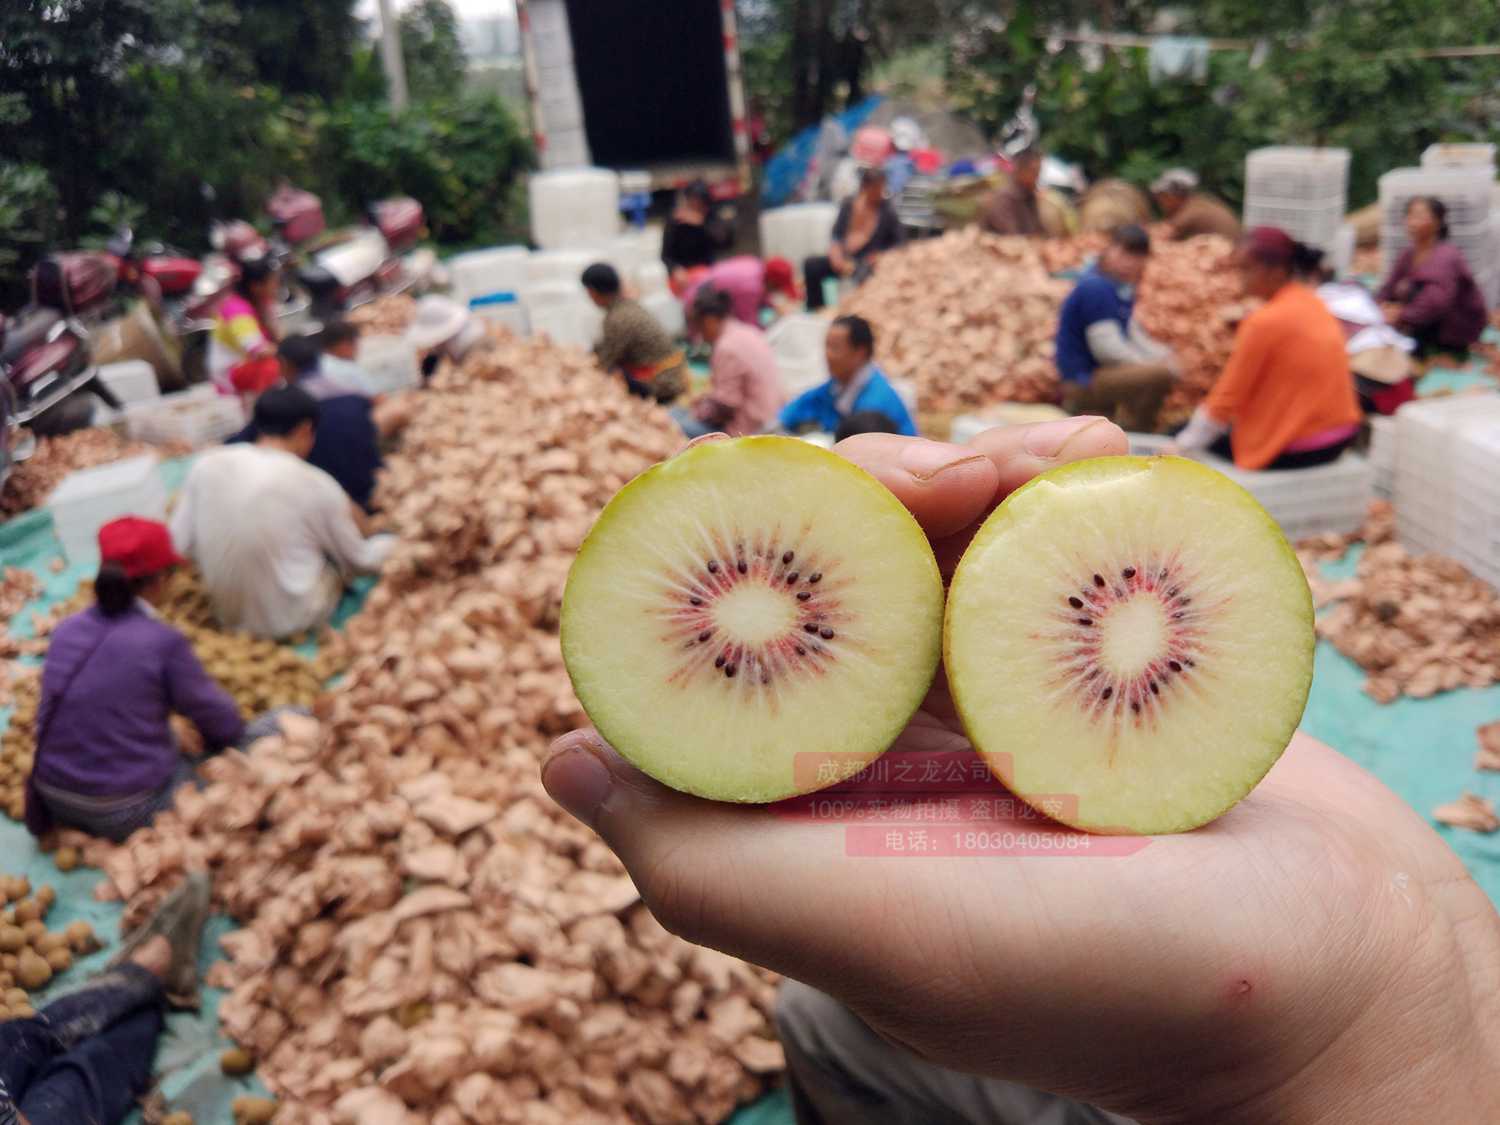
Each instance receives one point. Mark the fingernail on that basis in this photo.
(926, 459)
(575, 777)
(1046, 439)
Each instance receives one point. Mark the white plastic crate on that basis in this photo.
(667, 310)
(504, 309)
(563, 312)
(966, 427)
(499, 269)
(1315, 225)
(1324, 499)
(1288, 173)
(797, 342)
(651, 278)
(195, 418)
(133, 380)
(561, 266)
(88, 499)
(390, 363)
(1459, 156)
(1340, 257)
(798, 232)
(1447, 478)
(1382, 455)
(574, 208)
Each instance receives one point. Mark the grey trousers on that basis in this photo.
(839, 1072)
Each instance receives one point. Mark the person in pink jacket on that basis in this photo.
(744, 390)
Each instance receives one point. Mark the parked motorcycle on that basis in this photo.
(349, 268)
(45, 356)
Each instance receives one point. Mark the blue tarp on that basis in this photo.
(786, 170)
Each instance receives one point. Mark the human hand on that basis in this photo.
(1315, 955)
(1392, 312)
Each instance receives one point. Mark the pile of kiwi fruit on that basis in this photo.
(30, 954)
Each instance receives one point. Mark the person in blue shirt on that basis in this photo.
(856, 386)
(1109, 365)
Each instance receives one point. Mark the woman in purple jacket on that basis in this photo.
(106, 761)
(1431, 295)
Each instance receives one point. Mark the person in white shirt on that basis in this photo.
(273, 537)
(340, 340)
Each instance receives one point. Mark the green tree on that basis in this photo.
(299, 46)
(432, 50)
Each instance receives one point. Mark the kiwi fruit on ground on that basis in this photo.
(1129, 642)
(752, 618)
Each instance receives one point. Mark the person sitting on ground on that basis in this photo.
(1286, 397)
(866, 422)
(752, 285)
(274, 537)
(855, 385)
(688, 241)
(1014, 208)
(1190, 212)
(744, 383)
(867, 226)
(347, 445)
(633, 343)
(1108, 363)
(1431, 294)
(106, 761)
(242, 345)
(88, 1056)
(1272, 966)
(440, 329)
(338, 373)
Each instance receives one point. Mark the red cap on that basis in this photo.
(139, 547)
(1270, 246)
(780, 277)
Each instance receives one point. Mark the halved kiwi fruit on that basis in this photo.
(1129, 642)
(752, 619)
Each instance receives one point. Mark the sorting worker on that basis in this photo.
(242, 345)
(1431, 294)
(1014, 207)
(752, 285)
(744, 385)
(273, 536)
(106, 761)
(633, 342)
(338, 374)
(440, 329)
(1286, 398)
(866, 227)
(855, 386)
(1109, 364)
(1190, 212)
(688, 240)
(347, 443)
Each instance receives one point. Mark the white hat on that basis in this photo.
(1176, 180)
(437, 321)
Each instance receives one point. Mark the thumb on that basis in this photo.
(734, 877)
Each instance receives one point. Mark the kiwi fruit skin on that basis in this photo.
(997, 523)
(571, 631)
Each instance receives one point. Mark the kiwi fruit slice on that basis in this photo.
(752, 619)
(1129, 642)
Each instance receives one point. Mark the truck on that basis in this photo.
(642, 86)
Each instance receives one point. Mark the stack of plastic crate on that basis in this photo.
(1466, 190)
(1447, 483)
(1303, 191)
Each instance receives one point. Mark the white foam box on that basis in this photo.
(195, 418)
(391, 363)
(1382, 455)
(498, 269)
(132, 380)
(88, 499)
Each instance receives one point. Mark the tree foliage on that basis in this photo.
(432, 50)
(116, 110)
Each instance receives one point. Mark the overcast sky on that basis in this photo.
(466, 9)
